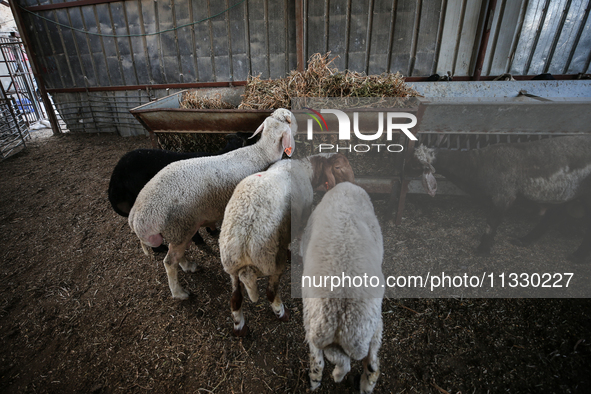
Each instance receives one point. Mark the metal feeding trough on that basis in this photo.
(166, 116)
(470, 114)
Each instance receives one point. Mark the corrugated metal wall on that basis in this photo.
(422, 37)
(257, 36)
(415, 37)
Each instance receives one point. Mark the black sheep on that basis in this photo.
(137, 167)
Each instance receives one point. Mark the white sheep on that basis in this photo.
(192, 193)
(257, 226)
(343, 239)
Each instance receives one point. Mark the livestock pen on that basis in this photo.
(82, 309)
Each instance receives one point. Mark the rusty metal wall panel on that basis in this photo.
(358, 28)
(428, 31)
(452, 29)
(404, 26)
(504, 36)
(550, 29)
(582, 52)
(468, 42)
(569, 35)
(380, 41)
(259, 37)
(337, 21)
(415, 37)
(239, 38)
(139, 54)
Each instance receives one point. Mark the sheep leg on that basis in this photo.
(171, 263)
(371, 363)
(316, 366)
(240, 327)
(274, 298)
(187, 266)
(488, 238)
(341, 361)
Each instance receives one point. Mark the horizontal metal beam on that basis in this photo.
(195, 85)
(492, 77)
(79, 3)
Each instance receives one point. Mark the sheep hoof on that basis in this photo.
(189, 266)
(314, 385)
(242, 332)
(181, 295)
(285, 316)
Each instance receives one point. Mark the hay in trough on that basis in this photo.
(195, 142)
(320, 80)
(191, 100)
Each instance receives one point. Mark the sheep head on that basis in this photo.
(331, 170)
(425, 157)
(283, 120)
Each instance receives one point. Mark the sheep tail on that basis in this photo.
(146, 233)
(336, 355)
(248, 277)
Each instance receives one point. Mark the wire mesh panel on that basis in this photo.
(13, 130)
(473, 141)
(18, 81)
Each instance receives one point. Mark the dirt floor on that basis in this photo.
(82, 309)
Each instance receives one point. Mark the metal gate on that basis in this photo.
(18, 81)
(13, 130)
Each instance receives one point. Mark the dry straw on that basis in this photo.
(191, 100)
(318, 80)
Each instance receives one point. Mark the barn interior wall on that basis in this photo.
(258, 37)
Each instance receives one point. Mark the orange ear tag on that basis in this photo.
(288, 150)
(326, 186)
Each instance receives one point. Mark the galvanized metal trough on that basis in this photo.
(166, 116)
(492, 108)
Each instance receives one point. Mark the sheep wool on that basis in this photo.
(343, 236)
(192, 193)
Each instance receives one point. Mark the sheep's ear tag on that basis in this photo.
(288, 151)
(429, 183)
